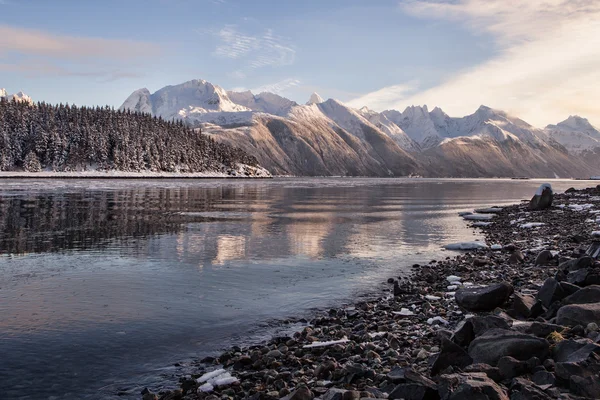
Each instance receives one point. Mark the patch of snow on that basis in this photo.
(404, 312)
(478, 217)
(430, 321)
(453, 279)
(466, 246)
(496, 247)
(324, 344)
(482, 224)
(532, 225)
(452, 287)
(543, 186)
(430, 297)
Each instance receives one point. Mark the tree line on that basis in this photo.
(35, 137)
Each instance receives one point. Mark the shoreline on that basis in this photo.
(406, 344)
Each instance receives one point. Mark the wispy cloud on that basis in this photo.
(257, 51)
(546, 66)
(35, 42)
(34, 53)
(277, 87)
(380, 99)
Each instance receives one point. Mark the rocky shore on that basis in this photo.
(516, 318)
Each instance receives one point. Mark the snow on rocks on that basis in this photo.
(404, 312)
(325, 344)
(496, 247)
(481, 224)
(478, 217)
(218, 377)
(466, 246)
(532, 225)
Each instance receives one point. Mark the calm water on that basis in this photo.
(105, 284)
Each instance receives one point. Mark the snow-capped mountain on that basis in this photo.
(20, 96)
(314, 99)
(329, 138)
(576, 134)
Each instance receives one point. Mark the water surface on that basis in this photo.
(105, 284)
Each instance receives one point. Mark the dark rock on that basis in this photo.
(351, 395)
(569, 288)
(469, 386)
(578, 277)
(543, 200)
(516, 257)
(575, 314)
(301, 393)
(590, 294)
(570, 190)
(588, 387)
(543, 329)
(576, 264)
(574, 350)
(396, 375)
(545, 257)
(550, 292)
(492, 372)
(510, 367)
(594, 250)
(522, 389)
(484, 298)
(417, 387)
(564, 370)
(475, 326)
(451, 355)
(526, 305)
(543, 378)
(497, 343)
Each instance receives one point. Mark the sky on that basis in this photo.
(536, 59)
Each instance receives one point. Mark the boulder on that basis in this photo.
(522, 389)
(574, 350)
(569, 288)
(484, 298)
(586, 295)
(565, 370)
(543, 378)
(587, 387)
(576, 263)
(475, 326)
(528, 306)
(578, 314)
(594, 250)
(497, 343)
(516, 257)
(451, 354)
(492, 372)
(543, 329)
(510, 367)
(545, 257)
(415, 387)
(302, 393)
(542, 199)
(469, 386)
(550, 292)
(578, 277)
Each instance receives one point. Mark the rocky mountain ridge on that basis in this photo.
(326, 137)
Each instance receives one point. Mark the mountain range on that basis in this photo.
(327, 137)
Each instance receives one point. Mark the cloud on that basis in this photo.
(39, 43)
(277, 87)
(255, 51)
(380, 99)
(47, 69)
(546, 66)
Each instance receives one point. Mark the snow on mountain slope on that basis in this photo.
(266, 102)
(314, 99)
(3, 92)
(194, 101)
(576, 134)
(391, 129)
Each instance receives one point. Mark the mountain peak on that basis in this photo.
(314, 99)
(2, 92)
(576, 122)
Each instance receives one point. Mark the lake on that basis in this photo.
(107, 286)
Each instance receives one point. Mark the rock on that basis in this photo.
(516, 257)
(578, 277)
(301, 393)
(575, 264)
(528, 306)
(569, 288)
(149, 396)
(542, 199)
(510, 367)
(396, 375)
(575, 314)
(574, 350)
(451, 355)
(492, 372)
(351, 395)
(497, 343)
(333, 394)
(543, 378)
(522, 389)
(543, 329)
(475, 326)
(586, 295)
(588, 387)
(416, 387)
(466, 386)
(564, 370)
(485, 298)
(545, 257)
(594, 250)
(550, 292)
